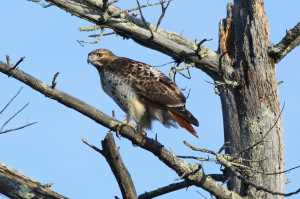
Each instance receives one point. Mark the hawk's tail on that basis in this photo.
(183, 123)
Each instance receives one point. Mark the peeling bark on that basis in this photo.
(251, 110)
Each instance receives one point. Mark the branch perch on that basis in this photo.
(192, 173)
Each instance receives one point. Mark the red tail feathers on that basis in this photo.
(183, 123)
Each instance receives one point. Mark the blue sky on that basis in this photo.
(52, 150)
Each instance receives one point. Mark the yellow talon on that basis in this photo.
(144, 133)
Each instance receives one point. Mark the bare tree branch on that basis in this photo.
(164, 190)
(163, 12)
(126, 25)
(190, 171)
(18, 128)
(111, 153)
(11, 100)
(144, 20)
(15, 184)
(54, 80)
(232, 163)
(13, 116)
(288, 43)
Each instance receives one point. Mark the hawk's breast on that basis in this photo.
(123, 94)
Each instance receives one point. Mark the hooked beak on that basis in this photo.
(88, 59)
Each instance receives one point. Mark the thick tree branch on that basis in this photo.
(189, 172)
(111, 153)
(126, 25)
(15, 184)
(288, 43)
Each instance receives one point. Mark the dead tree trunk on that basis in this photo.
(251, 111)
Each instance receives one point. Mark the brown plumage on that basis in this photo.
(142, 91)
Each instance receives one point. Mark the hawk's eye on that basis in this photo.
(99, 54)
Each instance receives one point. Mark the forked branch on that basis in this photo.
(235, 165)
(111, 153)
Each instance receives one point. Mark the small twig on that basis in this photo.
(260, 187)
(198, 149)
(182, 176)
(8, 61)
(112, 2)
(201, 194)
(11, 100)
(209, 82)
(188, 94)
(106, 34)
(275, 173)
(163, 11)
(178, 69)
(143, 19)
(13, 116)
(93, 42)
(164, 64)
(92, 146)
(49, 184)
(196, 158)
(53, 81)
(199, 46)
(137, 8)
(15, 129)
(262, 139)
(48, 5)
(223, 160)
(90, 28)
(20, 60)
(223, 147)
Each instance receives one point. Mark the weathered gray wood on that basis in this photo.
(111, 153)
(251, 109)
(16, 185)
(288, 43)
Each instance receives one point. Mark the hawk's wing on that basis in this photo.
(152, 86)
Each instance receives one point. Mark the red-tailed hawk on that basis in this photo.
(142, 91)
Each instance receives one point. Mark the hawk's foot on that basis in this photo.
(141, 131)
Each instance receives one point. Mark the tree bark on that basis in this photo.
(252, 109)
(15, 184)
(111, 153)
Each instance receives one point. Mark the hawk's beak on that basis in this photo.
(88, 59)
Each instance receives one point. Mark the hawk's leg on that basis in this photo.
(137, 128)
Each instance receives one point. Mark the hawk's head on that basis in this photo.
(100, 57)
